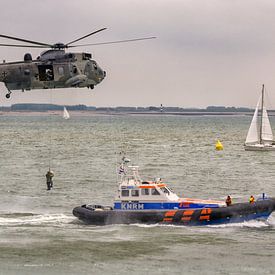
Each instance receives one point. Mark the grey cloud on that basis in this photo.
(207, 52)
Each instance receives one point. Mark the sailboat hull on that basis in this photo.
(259, 147)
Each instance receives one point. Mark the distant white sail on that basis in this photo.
(66, 115)
(252, 135)
(267, 135)
(259, 136)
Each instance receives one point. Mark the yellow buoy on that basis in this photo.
(219, 145)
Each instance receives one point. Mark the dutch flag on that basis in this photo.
(121, 170)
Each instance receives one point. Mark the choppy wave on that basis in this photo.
(17, 219)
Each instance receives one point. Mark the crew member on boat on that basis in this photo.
(251, 199)
(228, 200)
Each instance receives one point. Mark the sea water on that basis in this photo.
(39, 234)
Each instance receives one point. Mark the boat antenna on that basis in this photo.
(261, 121)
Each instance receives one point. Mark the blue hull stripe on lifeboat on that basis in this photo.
(158, 205)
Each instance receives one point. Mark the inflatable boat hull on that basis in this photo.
(238, 212)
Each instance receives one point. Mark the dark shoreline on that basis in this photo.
(116, 113)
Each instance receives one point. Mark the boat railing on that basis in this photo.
(131, 175)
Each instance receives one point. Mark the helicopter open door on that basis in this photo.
(46, 72)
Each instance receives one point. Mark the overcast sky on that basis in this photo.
(214, 52)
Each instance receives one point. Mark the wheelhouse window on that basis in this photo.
(145, 192)
(155, 192)
(135, 193)
(124, 193)
(165, 190)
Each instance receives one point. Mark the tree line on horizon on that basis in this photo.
(81, 107)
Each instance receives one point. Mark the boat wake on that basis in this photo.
(17, 219)
(249, 224)
(270, 222)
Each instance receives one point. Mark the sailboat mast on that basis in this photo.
(261, 121)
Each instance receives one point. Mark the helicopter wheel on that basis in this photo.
(8, 95)
(92, 86)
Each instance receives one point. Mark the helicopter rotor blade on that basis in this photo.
(22, 46)
(25, 40)
(67, 45)
(113, 42)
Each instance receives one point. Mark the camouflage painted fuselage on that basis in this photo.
(53, 69)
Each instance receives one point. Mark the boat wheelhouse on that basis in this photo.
(136, 194)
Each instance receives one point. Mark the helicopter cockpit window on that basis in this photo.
(86, 56)
(45, 72)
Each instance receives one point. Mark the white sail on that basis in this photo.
(66, 115)
(252, 135)
(267, 136)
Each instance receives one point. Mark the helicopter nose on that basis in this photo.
(102, 73)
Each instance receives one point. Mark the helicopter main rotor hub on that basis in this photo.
(59, 46)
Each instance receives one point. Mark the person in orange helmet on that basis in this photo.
(228, 200)
(251, 199)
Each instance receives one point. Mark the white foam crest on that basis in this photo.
(251, 224)
(146, 225)
(36, 220)
(271, 220)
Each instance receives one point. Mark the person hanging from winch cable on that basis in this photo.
(49, 179)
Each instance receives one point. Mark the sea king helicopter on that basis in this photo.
(54, 68)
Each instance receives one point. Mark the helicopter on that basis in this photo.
(54, 67)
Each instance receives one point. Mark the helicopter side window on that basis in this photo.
(74, 70)
(95, 66)
(45, 72)
(60, 70)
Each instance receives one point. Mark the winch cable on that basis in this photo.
(50, 157)
(118, 141)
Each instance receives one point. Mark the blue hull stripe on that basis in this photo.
(159, 206)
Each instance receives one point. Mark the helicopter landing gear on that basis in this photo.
(91, 86)
(8, 95)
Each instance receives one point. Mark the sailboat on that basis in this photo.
(66, 115)
(260, 136)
